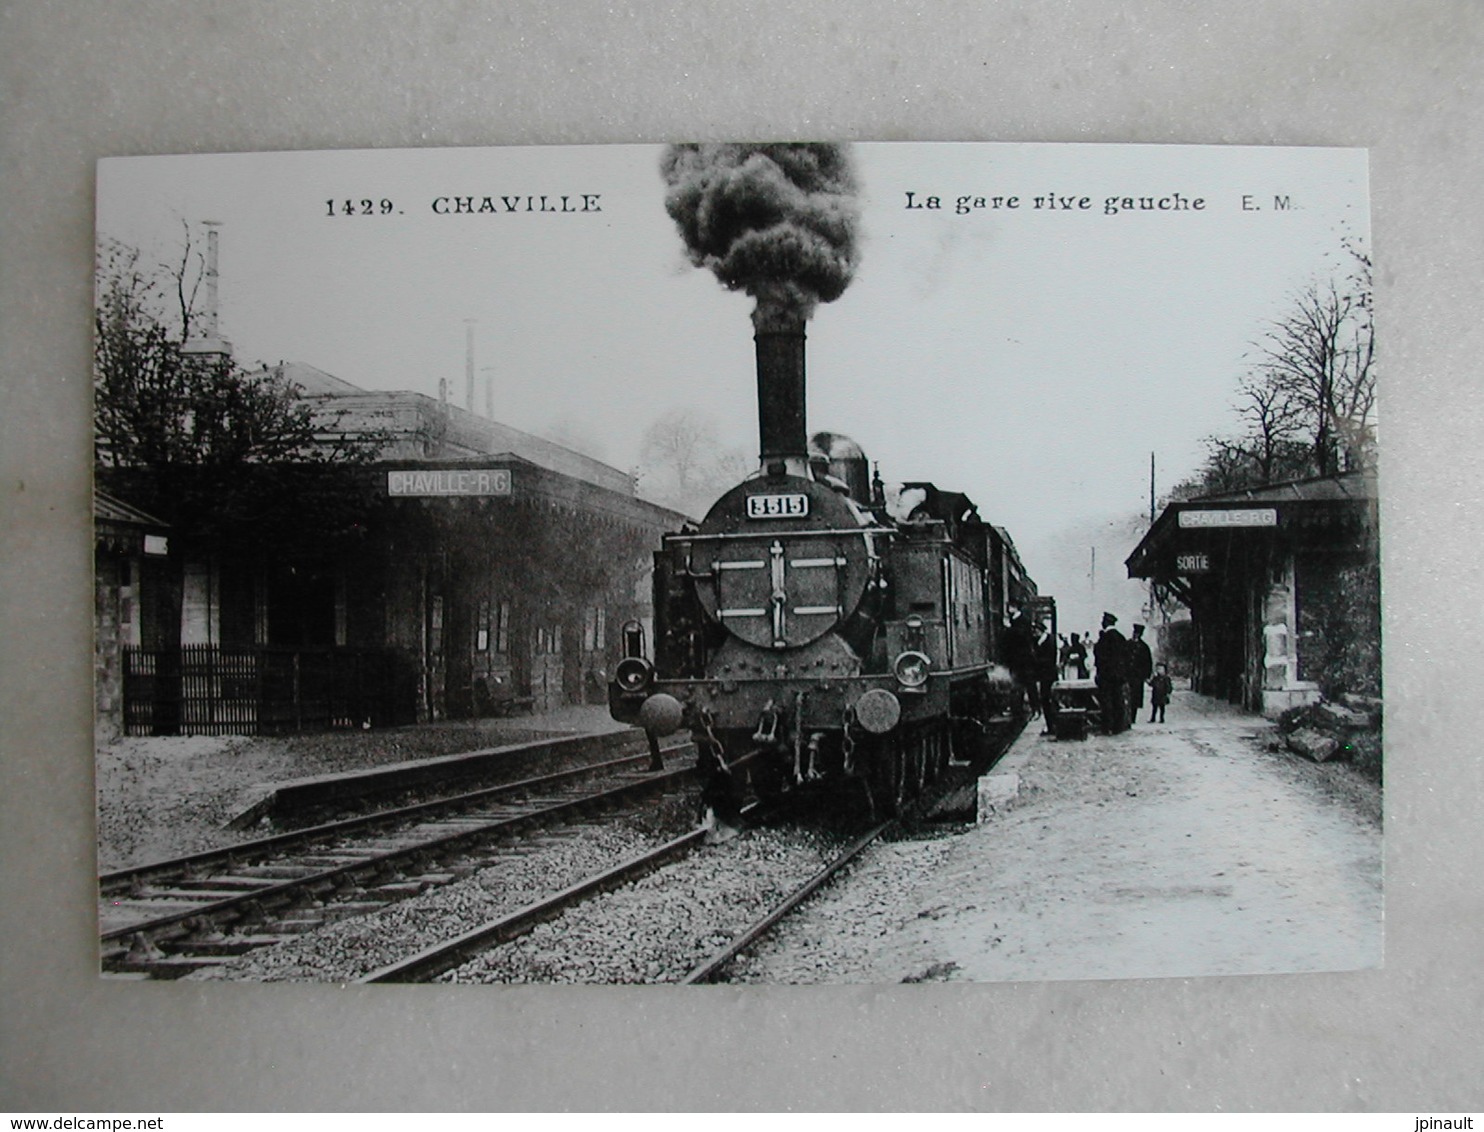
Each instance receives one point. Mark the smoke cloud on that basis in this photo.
(776, 221)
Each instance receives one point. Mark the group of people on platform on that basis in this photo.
(1122, 666)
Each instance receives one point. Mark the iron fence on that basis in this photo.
(210, 690)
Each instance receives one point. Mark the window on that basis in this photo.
(594, 629)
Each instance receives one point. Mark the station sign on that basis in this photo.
(448, 481)
(1231, 517)
(1193, 563)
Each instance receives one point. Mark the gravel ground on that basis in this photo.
(663, 925)
(165, 797)
(1190, 848)
(346, 949)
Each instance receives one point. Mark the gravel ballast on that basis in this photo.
(662, 926)
(347, 949)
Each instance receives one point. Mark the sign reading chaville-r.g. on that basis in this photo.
(1231, 517)
(446, 481)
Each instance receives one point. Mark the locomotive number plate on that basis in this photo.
(777, 506)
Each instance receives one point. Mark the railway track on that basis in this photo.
(428, 964)
(171, 918)
(717, 963)
(468, 948)
(433, 962)
(199, 914)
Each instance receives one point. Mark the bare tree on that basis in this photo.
(1274, 425)
(1318, 358)
(1307, 404)
(683, 464)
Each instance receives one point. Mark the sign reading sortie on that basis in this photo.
(471, 481)
(1247, 517)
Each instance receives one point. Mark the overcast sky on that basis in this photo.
(1033, 358)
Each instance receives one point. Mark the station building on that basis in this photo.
(470, 569)
(1282, 583)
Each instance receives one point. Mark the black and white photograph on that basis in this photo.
(737, 563)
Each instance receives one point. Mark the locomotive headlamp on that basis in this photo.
(633, 638)
(633, 674)
(911, 669)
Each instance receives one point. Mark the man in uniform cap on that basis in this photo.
(1140, 669)
(1110, 654)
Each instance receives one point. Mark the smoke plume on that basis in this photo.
(776, 221)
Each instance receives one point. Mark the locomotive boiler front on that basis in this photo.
(766, 618)
(780, 561)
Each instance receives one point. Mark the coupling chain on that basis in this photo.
(847, 740)
(718, 752)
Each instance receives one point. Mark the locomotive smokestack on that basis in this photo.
(776, 221)
(779, 340)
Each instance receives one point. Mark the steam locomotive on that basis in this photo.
(818, 626)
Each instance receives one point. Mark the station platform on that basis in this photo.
(164, 796)
(1188, 714)
(1201, 846)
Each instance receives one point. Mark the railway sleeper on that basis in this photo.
(244, 883)
(351, 909)
(306, 921)
(192, 895)
(226, 946)
(436, 878)
(279, 872)
(231, 886)
(400, 889)
(170, 966)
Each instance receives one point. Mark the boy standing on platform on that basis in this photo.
(1159, 693)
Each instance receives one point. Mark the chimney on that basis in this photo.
(469, 362)
(779, 339)
(206, 339)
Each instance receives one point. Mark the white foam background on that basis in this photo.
(88, 78)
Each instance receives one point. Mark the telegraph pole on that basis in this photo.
(1151, 489)
(1153, 605)
(469, 324)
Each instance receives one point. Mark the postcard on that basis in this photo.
(755, 562)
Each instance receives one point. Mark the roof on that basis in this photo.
(313, 382)
(1350, 485)
(110, 509)
(120, 528)
(422, 427)
(1304, 500)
